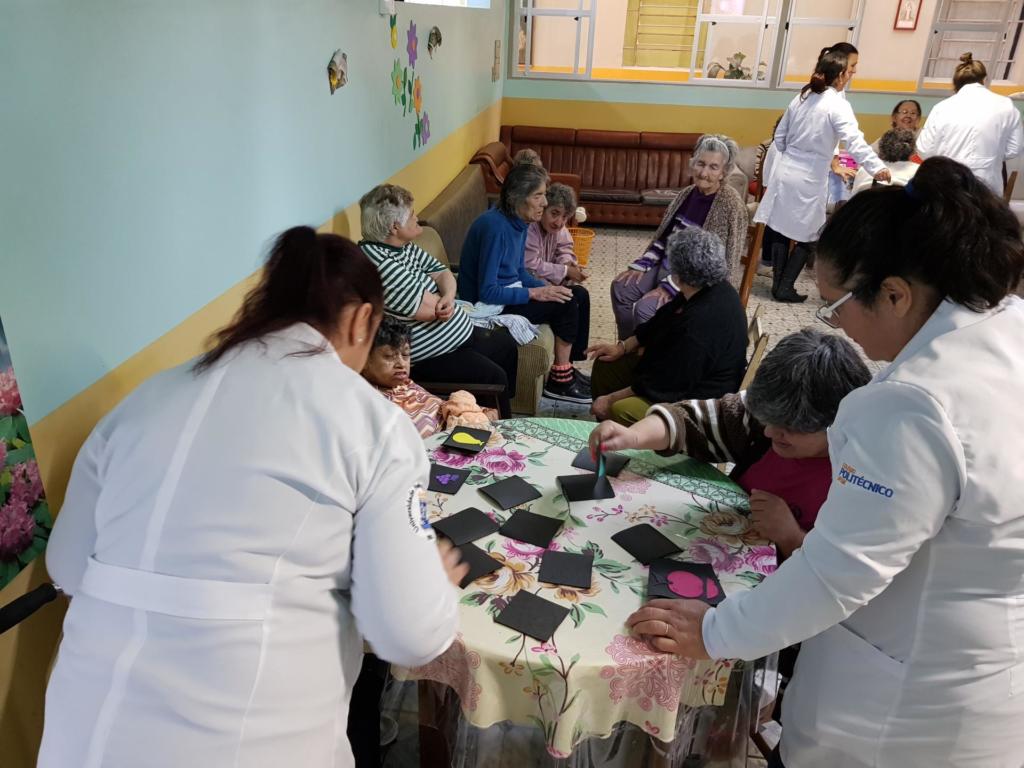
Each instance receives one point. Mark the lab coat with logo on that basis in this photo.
(795, 199)
(229, 539)
(975, 127)
(911, 585)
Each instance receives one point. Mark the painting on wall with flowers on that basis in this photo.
(25, 520)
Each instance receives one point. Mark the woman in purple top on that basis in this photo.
(643, 287)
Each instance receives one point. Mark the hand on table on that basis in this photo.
(450, 557)
(556, 293)
(773, 519)
(613, 437)
(672, 626)
(605, 351)
(444, 308)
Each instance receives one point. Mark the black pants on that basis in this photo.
(771, 241)
(364, 712)
(489, 356)
(569, 321)
(775, 759)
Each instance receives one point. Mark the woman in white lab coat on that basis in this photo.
(908, 595)
(974, 126)
(232, 532)
(793, 208)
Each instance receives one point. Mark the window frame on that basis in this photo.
(525, 9)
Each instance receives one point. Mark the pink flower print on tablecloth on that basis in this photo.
(455, 668)
(502, 462)
(651, 728)
(717, 554)
(451, 458)
(644, 674)
(628, 485)
(520, 550)
(762, 559)
(726, 525)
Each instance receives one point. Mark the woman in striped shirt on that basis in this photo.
(420, 290)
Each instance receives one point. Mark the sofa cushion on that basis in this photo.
(430, 241)
(458, 206)
(658, 196)
(610, 195)
(607, 139)
(680, 142)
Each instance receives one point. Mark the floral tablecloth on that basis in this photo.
(592, 674)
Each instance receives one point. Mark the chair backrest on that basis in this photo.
(754, 329)
(453, 211)
(1011, 182)
(755, 236)
(755, 361)
(431, 242)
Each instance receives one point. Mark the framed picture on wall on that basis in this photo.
(907, 14)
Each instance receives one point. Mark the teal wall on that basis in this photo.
(689, 95)
(151, 148)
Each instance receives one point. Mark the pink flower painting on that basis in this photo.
(502, 462)
(717, 554)
(761, 558)
(645, 675)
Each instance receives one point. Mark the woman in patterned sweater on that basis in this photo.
(774, 433)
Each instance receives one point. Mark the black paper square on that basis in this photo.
(446, 479)
(613, 462)
(480, 563)
(465, 526)
(567, 568)
(645, 543)
(473, 440)
(678, 580)
(510, 492)
(588, 487)
(532, 615)
(533, 529)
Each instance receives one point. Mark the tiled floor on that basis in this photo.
(615, 247)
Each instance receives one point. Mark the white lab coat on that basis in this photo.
(911, 584)
(975, 127)
(794, 201)
(901, 171)
(229, 539)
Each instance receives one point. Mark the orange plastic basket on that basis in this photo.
(582, 239)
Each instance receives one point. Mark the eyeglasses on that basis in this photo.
(827, 313)
(905, 113)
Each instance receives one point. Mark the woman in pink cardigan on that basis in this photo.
(549, 257)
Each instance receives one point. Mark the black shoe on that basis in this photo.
(572, 391)
(581, 376)
(789, 296)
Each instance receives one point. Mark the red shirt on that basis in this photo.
(801, 483)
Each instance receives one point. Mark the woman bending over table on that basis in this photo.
(694, 346)
(774, 432)
(907, 596)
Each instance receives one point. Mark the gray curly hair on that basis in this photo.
(562, 196)
(896, 145)
(697, 257)
(801, 382)
(381, 208)
(717, 142)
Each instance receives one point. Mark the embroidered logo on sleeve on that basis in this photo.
(416, 510)
(848, 475)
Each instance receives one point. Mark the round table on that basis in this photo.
(593, 675)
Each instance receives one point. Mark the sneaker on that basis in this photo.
(581, 376)
(572, 391)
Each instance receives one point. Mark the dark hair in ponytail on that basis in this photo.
(848, 48)
(946, 229)
(308, 278)
(830, 66)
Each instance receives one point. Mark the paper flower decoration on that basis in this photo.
(417, 96)
(411, 44)
(425, 128)
(397, 82)
(393, 22)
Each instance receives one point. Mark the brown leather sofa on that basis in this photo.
(626, 177)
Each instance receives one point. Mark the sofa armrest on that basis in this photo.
(495, 163)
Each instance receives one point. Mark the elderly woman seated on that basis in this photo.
(693, 347)
(492, 271)
(446, 346)
(906, 116)
(707, 203)
(774, 433)
(895, 148)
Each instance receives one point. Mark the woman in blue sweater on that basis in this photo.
(492, 271)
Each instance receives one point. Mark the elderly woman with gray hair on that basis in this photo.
(493, 271)
(643, 287)
(774, 432)
(693, 347)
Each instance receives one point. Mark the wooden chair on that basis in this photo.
(755, 361)
(755, 234)
(1011, 182)
(754, 329)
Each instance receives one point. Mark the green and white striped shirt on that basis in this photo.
(405, 273)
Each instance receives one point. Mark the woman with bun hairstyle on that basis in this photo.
(974, 126)
(230, 534)
(907, 595)
(793, 208)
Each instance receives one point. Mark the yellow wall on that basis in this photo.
(26, 652)
(747, 126)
